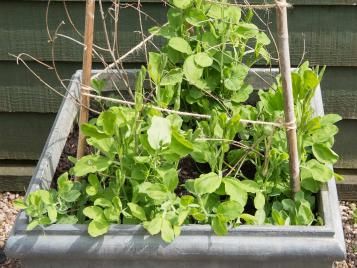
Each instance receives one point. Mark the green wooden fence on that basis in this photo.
(325, 30)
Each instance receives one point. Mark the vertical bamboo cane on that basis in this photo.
(86, 75)
(284, 61)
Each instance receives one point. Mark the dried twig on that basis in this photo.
(200, 116)
(70, 95)
(112, 65)
(250, 6)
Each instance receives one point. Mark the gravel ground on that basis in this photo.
(8, 214)
(350, 230)
(7, 218)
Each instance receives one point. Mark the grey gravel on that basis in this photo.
(7, 218)
(350, 232)
(8, 215)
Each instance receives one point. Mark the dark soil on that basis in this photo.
(70, 149)
(189, 169)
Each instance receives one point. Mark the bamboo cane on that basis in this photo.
(290, 121)
(86, 75)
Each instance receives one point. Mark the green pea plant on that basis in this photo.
(195, 112)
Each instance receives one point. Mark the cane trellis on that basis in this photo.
(284, 63)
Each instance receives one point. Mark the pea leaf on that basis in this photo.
(63, 183)
(250, 186)
(259, 201)
(52, 213)
(280, 217)
(234, 189)
(98, 85)
(155, 191)
(107, 120)
(242, 94)
(111, 214)
(311, 185)
(324, 154)
(233, 83)
(216, 11)
(180, 145)
(288, 205)
(91, 164)
(44, 220)
(195, 17)
(70, 196)
(170, 178)
(192, 71)
(247, 30)
(202, 59)
(98, 227)
(233, 14)
(93, 212)
(262, 39)
(92, 131)
(182, 4)
(102, 202)
(159, 132)
(167, 232)
(219, 225)
(190, 185)
(139, 87)
(45, 196)
(304, 215)
(93, 180)
(310, 80)
(183, 214)
(338, 177)
(156, 65)
(67, 219)
(324, 134)
(91, 190)
(32, 225)
(207, 183)
(19, 204)
(186, 200)
(137, 211)
(180, 45)
(173, 77)
(94, 185)
(153, 226)
(231, 210)
(117, 203)
(105, 145)
(319, 172)
(330, 119)
(260, 216)
(248, 219)
(201, 152)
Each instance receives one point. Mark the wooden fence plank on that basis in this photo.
(23, 135)
(294, 2)
(20, 91)
(328, 35)
(346, 145)
(15, 176)
(347, 189)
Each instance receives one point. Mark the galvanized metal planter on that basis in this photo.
(131, 246)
